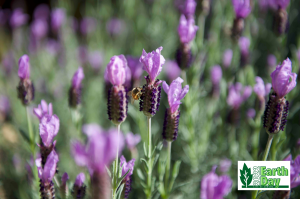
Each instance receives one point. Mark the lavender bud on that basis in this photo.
(79, 187)
(25, 91)
(238, 28)
(117, 104)
(184, 57)
(170, 127)
(75, 90)
(280, 21)
(47, 190)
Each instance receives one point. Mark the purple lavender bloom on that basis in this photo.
(295, 170)
(116, 70)
(77, 78)
(82, 52)
(186, 29)
(251, 113)
(135, 66)
(172, 70)
(24, 67)
(175, 93)
(57, 18)
(39, 29)
(272, 61)
(242, 8)
(43, 109)
(280, 4)
(244, 44)
(214, 186)
(237, 95)
(42, 11)
(80, 179)
(100, 150)
(4, 104)
(225, 165)
(64, 178)
(227, 57)
(216, 74)
(115, 26)
(47, 174)
(96, 59)
(260, 88)
(49, 126)
(152, 63)
(126, 166)
(189, 7)
(53, 47)
(87, 25)
(132, 140)
(18, 18)
(281, 83)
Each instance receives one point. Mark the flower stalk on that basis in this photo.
(116, 166)
(168, 166)
(149, 191)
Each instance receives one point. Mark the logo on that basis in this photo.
(263, 175)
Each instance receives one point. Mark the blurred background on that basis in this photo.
(60, 36)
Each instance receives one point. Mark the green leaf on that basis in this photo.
(160, 146)
(120, 180)
(119, 191)
(246, 176)
(260, 194)
(176, 169)
(25, 136)
(145, 149)
(155, 159)
(140, 174)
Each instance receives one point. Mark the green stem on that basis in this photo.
(168, 167)
(30, 130)
(201, 25)
(266, 153)
(149, 193)
(116, 167)
(274, 147)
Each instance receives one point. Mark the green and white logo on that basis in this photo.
(263, 175)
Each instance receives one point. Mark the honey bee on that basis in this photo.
(135, 94)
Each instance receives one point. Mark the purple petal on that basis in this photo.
(132, 140)
(166, 87)
(80, 179)
(77, 78)
(50, 166)
(64, 178)
(216, 74)
(91, 129)
(79, 154)
(116, 70)
(24, 67)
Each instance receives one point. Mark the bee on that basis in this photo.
(135, 94)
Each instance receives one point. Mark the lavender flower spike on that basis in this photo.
(127, 180)
(186, 29)
(77, 78)
(214, 186)
(242, 8)
(18, 18)
(281, 77)
(64, 191)
(227, 57)
(189, 8)
(216, 74)
(24, 67)
(79, 187)
(49, 126)
(260, 88)
(175, 94)
(132, 140)
(75, 90)
(43, 109)
(237, 95)
(57, 18)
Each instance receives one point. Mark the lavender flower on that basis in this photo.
(49, 127)
(295, 171)
(172, 70)
(79, 187)
(25, 87)
(227, 57)
(244, 44)
(225, 165)
(175, 94)
(276, 112)
(132, 140)
(242, 8)
(214, 186)
(96, 59)
(115, 26)
(189, 8)
(272, 61)
(39, 29)
(261, 89)
(136, 67)
(42, 11)
(281, 15)
(82, 53)
(127, 180)
(87, 25)
(186, 29)
(57, 18)
(238, 94)
(117, 104)
(64, 178)
(43, 109)
(251, 113)
(18, 18)
(216, 74)
(63, 186)
(75, 89)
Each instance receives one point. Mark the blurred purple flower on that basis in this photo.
(152, 63)
(214, 186)
(189, 7)
(260, 88)
(4, 104)
(216, 74)
(100, 150)
(80, 179)
(115, 26)
(53, 47)
(47, 174)
(87, 25)
(272, 61)
(132, 140)
(96, 59)
(172, 69)
(24, 67)
(238, 94)
(4, 16)
(175, 93)
(280, 4)
(49, 127)
(244, 44)
(64, 178)
(43, 109)
(57, 18)
(281, 77)
(116, 70)
(225, 165)
(18, 18)
(227, 57)
(263, 4)
(251, 113)
(242, 8)
(77, 78)
(42, 11)
(8, 61)
(186, 29)
(294, 170)
(135, 66)
(83, 54)
(39, 28)
(126, 166)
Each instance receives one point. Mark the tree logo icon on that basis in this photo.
(246, 176)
